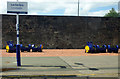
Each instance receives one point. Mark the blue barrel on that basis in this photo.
(23, 48)
(90, 48)
(10, 48)
(113, 49)
(30, 46)
(101, 49)
(40, 48)
(37, 49)
(104, 49)
(34, 49)
(97, 48)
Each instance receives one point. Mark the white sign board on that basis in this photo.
(17, 7)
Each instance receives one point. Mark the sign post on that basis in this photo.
(119, 7)
(78, 7)
(18, 45)
(18, 8)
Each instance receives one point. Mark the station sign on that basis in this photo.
(17, 7)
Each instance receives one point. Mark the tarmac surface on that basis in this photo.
(83, 66)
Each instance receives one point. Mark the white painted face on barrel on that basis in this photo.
(33, 45)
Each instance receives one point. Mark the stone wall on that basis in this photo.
(61, 31)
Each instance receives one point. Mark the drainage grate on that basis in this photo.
(78, 63)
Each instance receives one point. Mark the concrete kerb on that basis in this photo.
(67, 76)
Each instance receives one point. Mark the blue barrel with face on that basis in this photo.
(101, 49)
(37, 49)
(40, 48)
(10, 47)
(30, 46)
(104, 46)
(34, 49)
(117, 46)
(97, 48)
(23, 48)
(89, 48)
(113, 49)
(104, 49)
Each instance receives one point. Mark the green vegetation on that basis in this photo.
(112, 13)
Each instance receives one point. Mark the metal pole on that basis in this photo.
(17, 28)
(78, 7)
(119, 7)
(18, 45)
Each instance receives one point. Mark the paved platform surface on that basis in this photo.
(80, 66)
